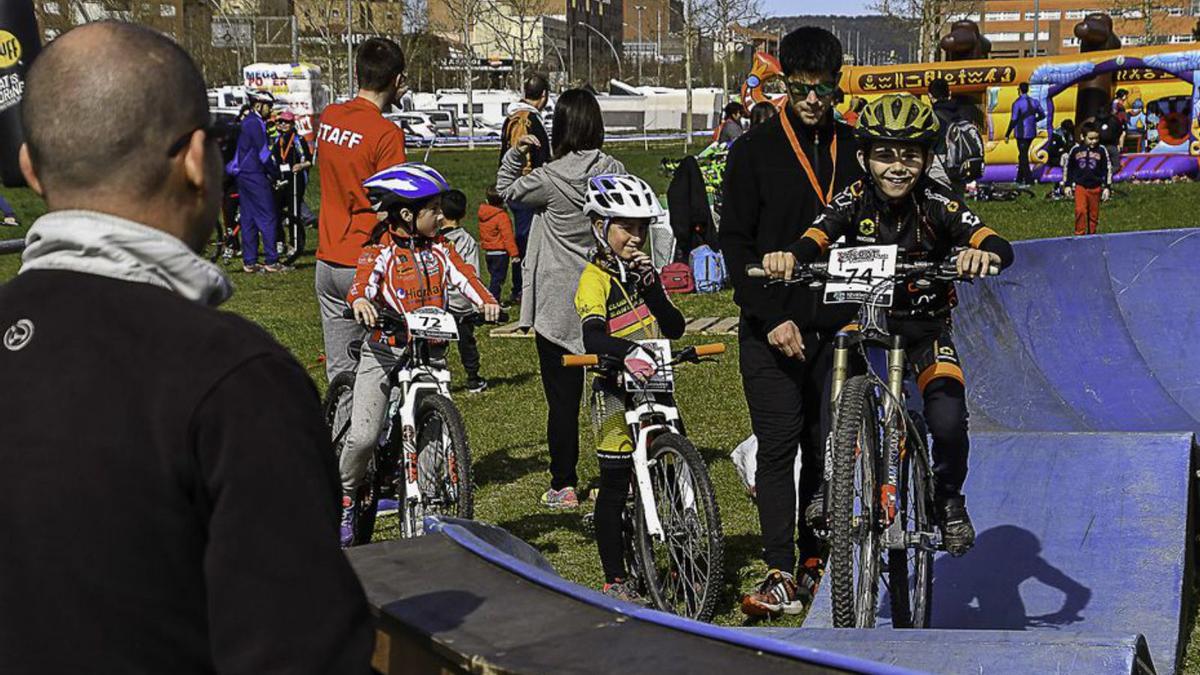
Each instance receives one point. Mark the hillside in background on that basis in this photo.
(875, 39)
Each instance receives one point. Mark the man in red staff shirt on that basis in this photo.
(354, 142)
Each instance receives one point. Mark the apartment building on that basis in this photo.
(1013, 26)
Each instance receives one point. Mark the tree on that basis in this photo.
(718, 17)
(930, 17)
(515, 24)
(461, 15)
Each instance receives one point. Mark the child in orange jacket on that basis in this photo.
(497, 241)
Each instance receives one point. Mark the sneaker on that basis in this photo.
(777, 594)
(814, 513)
(958, 534)
(276, 268)
(10, 221)
(252, 269)
(809, 574)
(476, 384)
(622, 590)
(561, 499)
(349, 521)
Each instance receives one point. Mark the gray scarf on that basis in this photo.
(108, 246)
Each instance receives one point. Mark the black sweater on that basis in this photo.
(168, 493)
(769, 203)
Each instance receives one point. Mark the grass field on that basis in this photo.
(506, 424)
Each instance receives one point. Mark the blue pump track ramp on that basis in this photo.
(1083, 378)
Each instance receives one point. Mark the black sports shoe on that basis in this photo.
(476, 384)
(958, 534)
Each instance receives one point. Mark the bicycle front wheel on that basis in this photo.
(855, 541)
(910, 570)
(339, 403)
(683, 568)
(443, 459)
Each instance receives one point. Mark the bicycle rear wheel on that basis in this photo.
(910, 571)
(443, 459)
(339, 403)
(684, 572)
(855, 540)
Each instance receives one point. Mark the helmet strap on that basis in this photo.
(606, 249)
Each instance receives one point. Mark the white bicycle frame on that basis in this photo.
(644, 409)
(402, 403)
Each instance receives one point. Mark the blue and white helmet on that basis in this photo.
(404, 185)
(621, 196)
(260, 96)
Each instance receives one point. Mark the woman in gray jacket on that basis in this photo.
(559, 243)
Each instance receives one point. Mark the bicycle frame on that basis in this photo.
(647, 419)
(410, 383)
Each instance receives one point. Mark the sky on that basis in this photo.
(793, 7)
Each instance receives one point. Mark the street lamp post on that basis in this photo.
(1036, 15)
(639, 9)
(616, 57)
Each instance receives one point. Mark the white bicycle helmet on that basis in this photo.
(621, 196)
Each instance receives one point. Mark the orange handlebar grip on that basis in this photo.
(710, 349)
(580, 360)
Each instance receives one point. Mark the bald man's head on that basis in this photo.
(103, 103)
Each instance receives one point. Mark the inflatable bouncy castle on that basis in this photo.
(1162, 106)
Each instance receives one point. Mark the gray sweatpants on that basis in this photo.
(369, 413)
(333, 283)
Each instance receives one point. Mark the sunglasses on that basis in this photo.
(800, 90)
(211, 132)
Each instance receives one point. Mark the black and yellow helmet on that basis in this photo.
(898, 117)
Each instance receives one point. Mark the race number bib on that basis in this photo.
(855, 273)
(432, 323)
(663, 379)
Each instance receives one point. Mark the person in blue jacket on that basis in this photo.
(1026, 113)
(256, 173)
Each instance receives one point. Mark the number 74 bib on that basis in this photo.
(855, 272)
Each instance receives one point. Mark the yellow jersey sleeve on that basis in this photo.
(591, 296)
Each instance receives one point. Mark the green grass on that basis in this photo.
(506, 424)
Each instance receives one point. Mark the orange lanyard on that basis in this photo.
(287, 148)
(827, 196)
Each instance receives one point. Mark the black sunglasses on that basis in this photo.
(801, 90)
(211, 131)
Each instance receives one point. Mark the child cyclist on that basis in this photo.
(901, 205)
(406, 265)
(620, 299)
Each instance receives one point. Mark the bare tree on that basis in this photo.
(930, 17)
(462, 15)
(515, 24)
(1132, 10)
(324, 17)
(718, 17)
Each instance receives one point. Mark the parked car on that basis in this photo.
(418, 129)
(443, 120)
(480, 130)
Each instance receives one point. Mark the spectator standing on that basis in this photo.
(731, 127)
(293, 157)
(496, 237)
(454, 209)
(208, 543)
(354, 142)
(1087, 173)
(1119, 110)
(256, 174)
(947, 113)
(525, 119)
(777, 181)
(761, 112)
(1026, 113)
(559, 248)
(1112, 136)
(9, 216)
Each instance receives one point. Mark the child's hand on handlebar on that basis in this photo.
(779, 264)
(491, 313)
(365, 313)
(973, 263)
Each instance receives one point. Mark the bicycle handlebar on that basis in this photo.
(387, 315)
(686, 354)
(819, 271)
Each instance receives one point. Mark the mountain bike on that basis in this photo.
(674, 547)
(226, 242)
(422, 459)
(1000, 192)
(878, 469)
(291, 238)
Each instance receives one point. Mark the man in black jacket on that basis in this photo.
(778, 179)
(168, 490)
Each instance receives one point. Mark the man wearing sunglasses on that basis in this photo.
(779, 177)
(150, 514)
